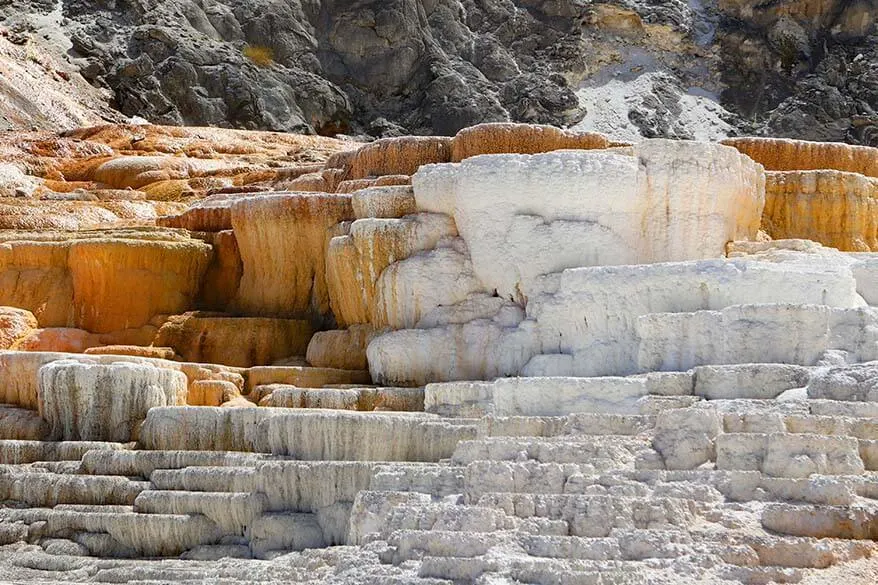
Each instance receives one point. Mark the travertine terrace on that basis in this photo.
(518, 355)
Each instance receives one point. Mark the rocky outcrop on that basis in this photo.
(233, 341)
(430, 68)
(14, 325)
(799, 155)
(282, 239)
(104, 402)
(631, 68)
(580, 364)
(340, 348)
(81, 281)
(833, 207)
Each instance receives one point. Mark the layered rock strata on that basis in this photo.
(572, 362)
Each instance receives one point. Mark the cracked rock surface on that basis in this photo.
(630, 68)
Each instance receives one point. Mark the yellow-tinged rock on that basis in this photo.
(234, 341)
(66, 339)
(164, 353)
(353, 185)
(19, 369)
(34, 276)
(341, 348)
(18, 376)
(505, 137)
(120, 284)
(784, 154)
(325, 181)
(212, 393)
(388, 202)
(356, 261)
(211, 214)
(393, 156)
(282, 239)
(837, 209)
(223, 277)
(14, 324)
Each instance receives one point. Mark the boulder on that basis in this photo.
(685, 437)
(344, 349)
(211, 393)
(849, 383)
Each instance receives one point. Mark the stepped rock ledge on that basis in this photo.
(515, 355)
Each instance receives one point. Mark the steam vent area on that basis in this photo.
(520, 355)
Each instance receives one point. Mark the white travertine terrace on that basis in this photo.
(577, 366)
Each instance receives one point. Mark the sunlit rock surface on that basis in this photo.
(518, 355)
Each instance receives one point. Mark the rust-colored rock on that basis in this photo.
(783, 154)
(282, 239)
(71, 215)
(223, 276)
(212, 393)
(212, 214)
(66, 339)
(835, 208)
(326, 181)
(343, 349)
(164, 353)
(102, 282)
(15, 324)
(205, 142)
(233, 341)
(120, 284)
(503, 137)
(394, 156)
(34, 276)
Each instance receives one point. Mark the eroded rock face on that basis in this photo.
(282, 239)
(831, 206)
(606, 229)
(165, 276)
(14, 325)
(614, 385)
(242, 341)
(89, 401)
(104, 284)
